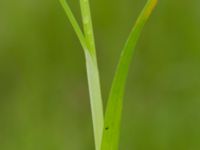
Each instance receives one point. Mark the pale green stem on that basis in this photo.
(93, 74)
(88, 44)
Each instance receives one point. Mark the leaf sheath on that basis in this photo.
(88, 44)
(93, 74)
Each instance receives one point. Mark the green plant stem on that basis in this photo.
(93, 74)
(95, 99)
(88, 44)
(115, 102)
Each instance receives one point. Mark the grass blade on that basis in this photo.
(74, 23)
(93, 74)
(114, 107)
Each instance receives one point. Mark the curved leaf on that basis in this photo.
(115, 102)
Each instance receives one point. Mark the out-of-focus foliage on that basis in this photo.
(44, 102)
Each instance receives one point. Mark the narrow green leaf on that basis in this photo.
(74, 23)
(93, 74)
(115, 102)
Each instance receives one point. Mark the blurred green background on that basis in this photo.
(44, 102)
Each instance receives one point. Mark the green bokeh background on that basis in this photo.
(44, 102)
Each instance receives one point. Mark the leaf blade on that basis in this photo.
(114, 106)
(74, 23)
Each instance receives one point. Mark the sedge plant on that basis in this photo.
(106, 127)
